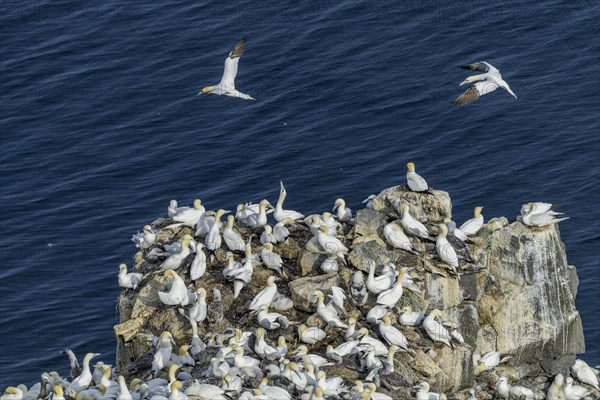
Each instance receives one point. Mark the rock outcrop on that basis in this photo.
(518, 297)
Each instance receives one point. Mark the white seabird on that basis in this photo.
(174, 260)
(396, 237)
(145, 239)
(344, 213)
(392, 335)
(445, 250)
(389, 297)
(369, 201)
(378, 284)
(415, 182)
(435, 330)
(536, 218)
(227, 85)
(233, 240)
(410, 317)
(328, 313)
(585, 373)
(280, 231)
(472, 226)
(189, 216)
(331, 244)
(410, 224)
(310, 335)
(271, 259)
(265, 296)
(257, 220)
(213, 238)
(574, 392)
(487, 82)
(198, 267)
(267, 235)
(178, 293)
(280, 214)
(85, 378)
(129, 280)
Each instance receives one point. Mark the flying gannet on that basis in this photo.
(487, 82)
(227, 85)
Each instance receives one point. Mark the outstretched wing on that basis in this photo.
(482, 66)
(231, 65)
(474, 92)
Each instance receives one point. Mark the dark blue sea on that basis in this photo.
(101, 127)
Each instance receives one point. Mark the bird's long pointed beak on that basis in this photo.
(334, 207)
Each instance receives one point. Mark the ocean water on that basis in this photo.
(101, 127)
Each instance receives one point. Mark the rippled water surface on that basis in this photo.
(101, 127)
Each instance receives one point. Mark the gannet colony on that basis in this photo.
(395, 301)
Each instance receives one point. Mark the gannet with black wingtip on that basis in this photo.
(415, 182)
(521, 393)
(267, 236)
(213, 238)
(331, 244)
(198, 267)
(392, 335)
(369, 201)
(336, 354)
(163, 353)
(280, 231)
(472, 226)
(585, 373)
(271, 320)
(573, 392)
(411, 225)
(459, 245)
(190, 216)
(243, 275)
(144, 239)
(280, 214)
(174, 261)
(328, 313)
(367, 341)
(377, 284)
(410, 317)
(129, 280)
(233, 240)
(540, 207)
(344, 214)
(85, 378)
(302, 354)
(396, 237)
(177, 294)
(389, 297)
(227, 85)
(536, 218)
(265, 296)
(435, 330)
(445, 250)
(310, 335)
(257, 220)
(487, 361)
(271, 259)
(198, 310)
(487, 82)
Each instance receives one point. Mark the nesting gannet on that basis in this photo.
(487, 82)
(358, 289)
(12, 393)
(573, 392)
(144, 239)
(124, 393)
(487, 361)
(302, 354)
(233, 240)
(271, 259)
(240, 274)
(329, 265)
(445, 250)
(411, 225)
(231, 384)
(280, 231)
(85, 378)
(190, 216)
(198, 310)
(331, 386)
(271, 320)
(174, 261)
(414, 181)
(227, 85)
(328, 313)
(178, 293)
(435, 330)
(392, 335)
(351, 331)
(344, 213)
(473, 225)
(540, 208)
(389, 297)
(367, 341)
(376, 313)
(257, 220)
(310, 335)
(163, 353)
(214, 311)
(336, 354)
(458, 244)
(369, 359)
(424, 394)
(378, 284)
(331, 244)
(213, 238)
(396, 237)
(521, 393)
(265, 296)
(58, 393)
(129, 280)
(536, 218)
(280, 214)
(242, 361)
(205, 391)
(273, 392)
(198, 267)
(205, 223)
(585, 373)
(369, 201)
(410, 317)
(75, 368)
(503, 387)
(267, 236)
(264, 350)
(555, 391)
(472, 395)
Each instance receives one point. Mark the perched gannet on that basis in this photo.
(129, 280)
(163, 353)
(85, 378)
(536, 218)
(173, 208)
(410, 317)
(205, 391)
(231, 384)
(178, 293)
(328, 313)
(435, 330)
(271, 259)
(378, 284)
(205, 223)
(555, 391)
(369, 201)
(257, 220)
(573, 392)
(344, 214)
(273, 392)
(190, 216)
(280, 214)
(282, 346)
(424, 394)
(233, 240)
(389, 297)
(331, 244)
(411, 225)
(265, 296)
(58, 392)
(487, 82)
(503, 387)
(240, 274)
(302, 354)
(214, 311)
(414, 181)
(280, 231)
(242, 361)
(487, 361)
(472, 395)
(145, 239)
(337, 298)
(310, 335)
(75, 368)
(264, 350)
(197, 345)
(227, 85)
(396, 237)
(445, 250)
(585, 373)
(124, 393)
(12, 393)
(198, 310)
(376, 313)
(358, 289)
(366, 341)
(329, 265)
(472, 226)
(174, 261)
(331, 386)
(213, 238)
(540, 208)
(520, 392)
(351, 331)
(458, 244)
(267, 236)
(344, 349)
(392, 335)
(271, 320)
(198, 267)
